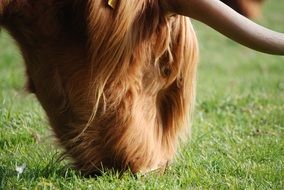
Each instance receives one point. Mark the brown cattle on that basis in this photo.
(117, 78)
(248, 8)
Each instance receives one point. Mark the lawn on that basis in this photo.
(237, 132)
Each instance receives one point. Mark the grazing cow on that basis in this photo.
(117, 78)
(248, 8)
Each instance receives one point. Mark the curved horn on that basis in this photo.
(225, 20)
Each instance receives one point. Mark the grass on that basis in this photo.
(238, 126)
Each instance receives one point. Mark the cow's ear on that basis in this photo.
(225, 20)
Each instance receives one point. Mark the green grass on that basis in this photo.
(238, 127)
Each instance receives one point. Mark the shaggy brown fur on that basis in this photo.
(118, 85)
(248, 8)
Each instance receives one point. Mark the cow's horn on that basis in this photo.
(225, 20)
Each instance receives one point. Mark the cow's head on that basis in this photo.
(117, 78)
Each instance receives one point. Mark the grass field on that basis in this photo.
(238, 127)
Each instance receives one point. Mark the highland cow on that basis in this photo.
(248, 8)
(117, 78)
